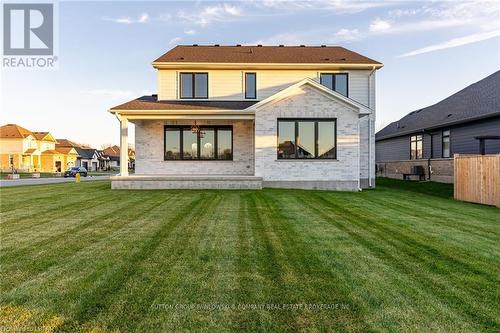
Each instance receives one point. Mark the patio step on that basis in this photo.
(186, 182)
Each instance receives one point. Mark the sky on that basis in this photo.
(430, 50)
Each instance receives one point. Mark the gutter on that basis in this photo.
(370, 185)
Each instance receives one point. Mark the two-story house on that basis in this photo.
(27, 151)
(253, 117)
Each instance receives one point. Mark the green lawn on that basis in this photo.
(401, 258)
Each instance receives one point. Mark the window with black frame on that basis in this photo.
(446, 152)
(416, 151)
(194, 85)
(307, 138)
(335, 81)
(250, 85)
(210, 143)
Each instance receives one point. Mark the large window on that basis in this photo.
(446, 144)
(194, 85)
(250, 85)
(212, 143)
(335, 81)
(307, 139)
(416, 147)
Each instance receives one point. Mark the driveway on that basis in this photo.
(41, 181)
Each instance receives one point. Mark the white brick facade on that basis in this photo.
(149, 140)
(342, 173)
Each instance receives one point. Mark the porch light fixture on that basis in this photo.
(195, 129)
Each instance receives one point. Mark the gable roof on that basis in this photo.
(477, 101)
(85, 153)
(112, 151)
(67, 150)
(44, 136)
(12, 131)
(152, 103)
(356, 106)
(264, 55)
(66, 143)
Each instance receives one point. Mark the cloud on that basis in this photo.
(174, 40)
(379, 26)
(190, 32)
(143, 18)
(311, 37)
(455, 42)
(347, 34)
(216, 13)
(336, 6)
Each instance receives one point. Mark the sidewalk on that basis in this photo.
(41, 181)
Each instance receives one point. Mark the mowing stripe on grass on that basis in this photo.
(442, 290)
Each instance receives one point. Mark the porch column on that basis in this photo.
(123, 147)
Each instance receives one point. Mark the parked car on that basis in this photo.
(74, 170)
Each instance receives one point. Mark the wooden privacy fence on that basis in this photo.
(477, 178)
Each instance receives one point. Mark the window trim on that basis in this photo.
(316, 140)
(181, 146)
(449, 143)
(334, 79)
(193, 85)
(416, 140)
(254, 85)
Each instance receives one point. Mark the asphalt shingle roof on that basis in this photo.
(265, 54)
(479, 100)
(152, 103)
(85, 153)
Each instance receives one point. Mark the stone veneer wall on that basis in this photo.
(442, 169)
(342, 173)
(149, 160)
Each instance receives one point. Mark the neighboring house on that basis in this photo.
(104, 160)
(113, 153)
(88, 158)
(131, 158)
(54, 158)
(467, 122)
(252, 117)
(26, 151)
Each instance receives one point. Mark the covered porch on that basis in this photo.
(210, 146)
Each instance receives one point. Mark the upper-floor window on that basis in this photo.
(194, 85)
(446, 144)
(335, 81)
(307, 139)
(250, 85)
(416, 151)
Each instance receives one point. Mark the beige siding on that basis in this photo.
(167, 84)
(229, 84)
(9, 146)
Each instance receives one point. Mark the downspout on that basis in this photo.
(370, 185)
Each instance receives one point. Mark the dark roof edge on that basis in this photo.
(419, 130)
